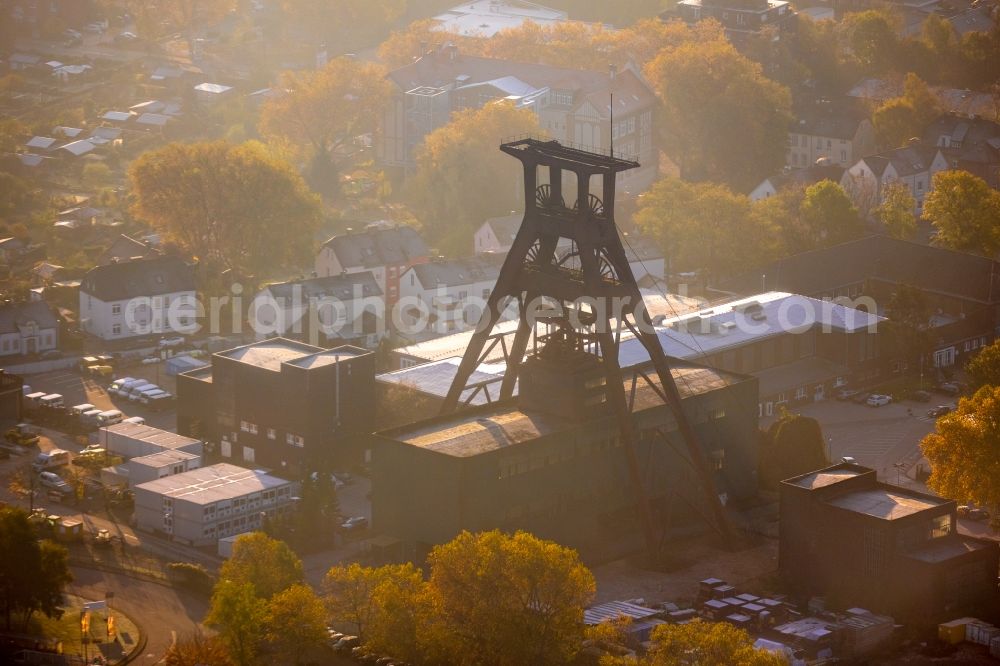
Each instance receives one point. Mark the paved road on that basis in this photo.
(163, 612)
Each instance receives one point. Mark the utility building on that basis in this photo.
(861, 542)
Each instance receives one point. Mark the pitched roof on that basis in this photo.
(378, 246)
(77, 148)
(124, 248)
(969, 139)
(132, 279)
(456, 272)
(42, 142)
(343, 287)
(907, 161)
(807, 176)
(14, 315)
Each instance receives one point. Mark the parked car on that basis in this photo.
(975, 513)
(878, 399)
(347, 643)
(53, 481)
(172, 342)
(940, 410)
(950, 388)
(354, 524)
(920, 396)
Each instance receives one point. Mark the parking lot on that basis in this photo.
(77, 389)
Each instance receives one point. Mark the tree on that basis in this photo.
(698, 643)
(267, 565)
(965, 212)
(984, 368)
(829, 215)
(198, 650)
(721, 119)
(185, 16)
(906, 328)
(793, 445)
(296, 622)
(903, 118)
(239, 615)
(896, 211)
(871, 36)
(462, 178)
(963, 451)
(706, 227)
(322, 111)
(235, 207)
(401, 611)
(33, 573)
(502, 599)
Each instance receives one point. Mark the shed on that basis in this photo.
(183, 363)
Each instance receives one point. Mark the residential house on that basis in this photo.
(962, 291)
(126, 248)
(384, 249)
(830, 133)
(20, 253)
(448, 295)
(573, 106)
(145, 297)
(913, 165)
(969, 144)
(211, 93)
(844, 534)
(280, 404)
(496, 235)
(28, 328)
(741, 18)
(326, 311)
(796, 178)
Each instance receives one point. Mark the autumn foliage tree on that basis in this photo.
(321, 111)
(198, 650)
(895, 212)
(965, 211)
(721, 118)
(984, 368)
(793, 445)
(462, 178)
(964, 453)
(267, 565)
(700, 643)
(235, 207)
(296, 622)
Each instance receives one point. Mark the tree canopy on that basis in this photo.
(963, 451)
(321, 111)
(721, 118)
(698, 644)
(462, 178)
(239, 616)
(895, 212)
(793, 445)
(501, 599)
(296, 622)
(829, 216)
(706, 227)
(267, 565)
(964, 211)
(234, 206)
(984, 368)
(901, 119)
(33, 573)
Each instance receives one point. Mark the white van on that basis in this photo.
(54, 458)
(138, 420)
(90, 417)
(79, 410)
(31, 400)
(110, 417)
(51, 400)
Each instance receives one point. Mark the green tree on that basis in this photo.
(33, 573)
(963, 451)
(267, 565)
(906, 327)
(829, 216)
(895, 123)
(700, 644)
(502, 599)
(984, 368)
(871, 36)
(965, 212)
(296, 622)
(96, 174)
(896, 211)
(706, 227)
(322, 111)
(462, 178)
(198, 650)
(401, 611)
(721, 118)
(781, 213)
(235, 207)
(238, 614)
(793, 445)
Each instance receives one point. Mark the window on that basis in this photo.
(116, 309)
(920, 185)
(116, 329)
(800, 393)
(247, 454)
(294, 440)
(271, 434)
(843, 156)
